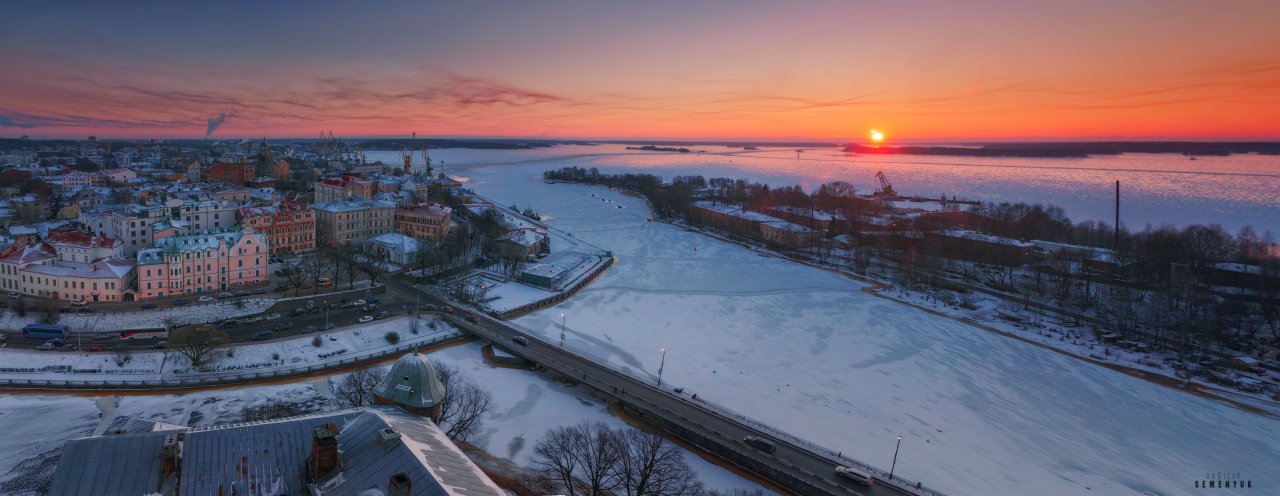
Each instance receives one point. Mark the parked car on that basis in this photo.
(241, 294)
(273, 316)
(427, 308)
(382, 315)
(204, 299)
(258, 291)
(262, 335)
(324, 283)
(282, 326)
(297, 312)
(80, 303)
(365, 319)
(180, 302)
(520, 340)
(148, 306)
(46, 347)
(368, 308)
(87, 310)
(97, 348)
(309, 329)
(14, 295)
(66, 309)
(228, 323)
(358, 302)
(327, 325)
(853, 474)
(760, 444)
(102, 336)
(223, 296)
(159, 345)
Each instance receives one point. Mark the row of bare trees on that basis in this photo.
(595, 459)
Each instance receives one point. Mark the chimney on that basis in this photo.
(400, 485)
(324, 460)
(169, 453)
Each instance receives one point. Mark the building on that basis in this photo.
(69, 266)
(203, 263)
(728, 217)
(530, 241)
(551, 273)
(31, 208)
(788, 234)
(808, 217)
(132, 223)
(233, 173)
(290, 228)
(980, 247)
(423, 221)
(351, 222)
(392, 247)
(344, 188)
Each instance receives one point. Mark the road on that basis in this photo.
(725, 432)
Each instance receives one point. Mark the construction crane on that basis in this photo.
(426, 157)
(406, 153)
(885, 189)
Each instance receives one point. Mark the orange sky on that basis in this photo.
(920, 71)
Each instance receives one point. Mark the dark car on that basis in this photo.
(102, 336)
(282, 326)
(181, 302)
(427, 308)
(310, 329)
(66, 309)
(259, 291)
(228, 323)
(382, 315)
(327, 326)
(374, 299)
(87, 310)
(223, 296)
(241, 293)
(759, 444)
(473, 319)
(148, 306)
(262, 336)
(369, 307)
(520, 340)
(448, 309)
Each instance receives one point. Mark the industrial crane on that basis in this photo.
(885, 189)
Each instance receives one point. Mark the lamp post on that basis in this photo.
(661, 365)
(895, 457)
(562, 329)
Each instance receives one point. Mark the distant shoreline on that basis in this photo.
(1077, 150)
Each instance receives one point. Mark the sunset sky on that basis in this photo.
(918, 71)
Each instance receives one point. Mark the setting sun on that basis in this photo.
(877, 136)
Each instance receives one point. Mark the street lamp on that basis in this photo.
(661, 365)
(562, 329)
(895, 457)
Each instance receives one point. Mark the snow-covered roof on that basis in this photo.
(395, 241)
(986, 238)
(29, 254)
(351, 205)
(107, 268)
(734, 211)
(79, 240)
(804, 212)
(525, 236)
(788, 226)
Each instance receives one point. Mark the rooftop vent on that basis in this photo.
(389, 437)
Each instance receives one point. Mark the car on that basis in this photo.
(374, 299)
(310, 329)
(760, 444)
(262, 335)
(520, 340)
(14, 295)
(324, 283)
(282, 326)
(180, 302)
(365, 319)
(358, 302)
(46, 347)
(102, 336)
(148, 306)
(853, 474)
(68, 347)
(382, 315)
(241, 294)
(448, 309)
(97, 348)
(159, 345)
(66, 309)
(297, 312)
(273, 316)
(87, 310)
(80, 303)
(223, 296)
(368, 308)
(427, 308)
(327, 325)
(204, 299)
(259, 291)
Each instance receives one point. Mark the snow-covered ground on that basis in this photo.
(279, 356)
(527, 404)
(808, 351)
(195, 313)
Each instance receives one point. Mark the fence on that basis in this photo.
(239, 377)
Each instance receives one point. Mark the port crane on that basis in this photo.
(884, 189)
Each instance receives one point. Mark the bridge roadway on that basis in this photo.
(801, 469)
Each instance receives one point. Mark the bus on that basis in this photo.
(45, 331)
(145, 332)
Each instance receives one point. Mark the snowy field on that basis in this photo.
(527, 404)
(808, 351)
(195, 313)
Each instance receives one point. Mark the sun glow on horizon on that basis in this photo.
(876, 136)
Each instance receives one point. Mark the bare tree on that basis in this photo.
(555, 453)
(653, 466)
(357, 388)
(314, 269)
(294, 275)
(464, 406)
(196, 342)
(49, 314)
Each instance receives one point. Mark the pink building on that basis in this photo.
(68, 266)
(202, 263)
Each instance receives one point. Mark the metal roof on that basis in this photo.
(123, 464)
(413, 381)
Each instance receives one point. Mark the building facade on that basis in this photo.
(290, 228)
(344, 188)
(203, 263)
(423, 221)
(351, 222)
(69, 266)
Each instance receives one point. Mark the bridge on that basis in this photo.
(797, 466)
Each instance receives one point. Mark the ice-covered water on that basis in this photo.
(1156, 189)
(808, 351)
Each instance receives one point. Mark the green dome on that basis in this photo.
(413, 382)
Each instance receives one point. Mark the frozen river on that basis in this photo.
(809, 352)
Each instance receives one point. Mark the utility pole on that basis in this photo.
(661, 365)
(895, 457)
(561, 329)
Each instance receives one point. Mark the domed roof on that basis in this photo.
(413, 382)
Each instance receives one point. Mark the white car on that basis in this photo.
(14, 295)
(366, 319)
(273, 316)
(204, 299)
